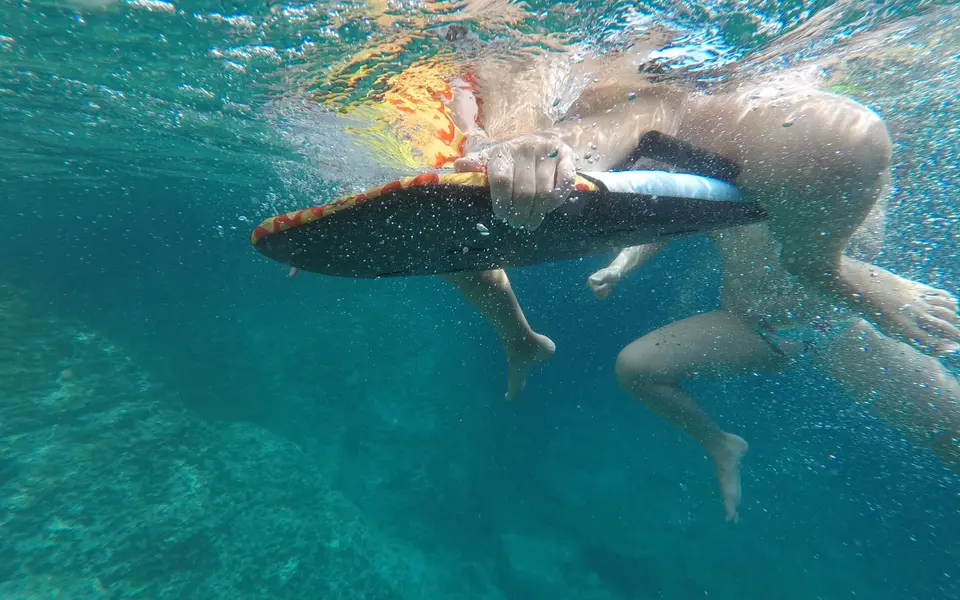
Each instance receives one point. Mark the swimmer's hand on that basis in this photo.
(530, 176)
(603, 281)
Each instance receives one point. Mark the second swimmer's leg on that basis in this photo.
(491, 294)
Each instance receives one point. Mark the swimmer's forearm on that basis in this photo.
(603, 281)
(600, 142)
(631, 258)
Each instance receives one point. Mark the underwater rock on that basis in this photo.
(52, 588)
(534, 566)
(109, 488)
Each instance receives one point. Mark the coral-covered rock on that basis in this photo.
(110, 489)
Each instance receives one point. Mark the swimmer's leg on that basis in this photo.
(919, 314)
(652, 368)
(491, 294)
(911, 391)
(603, 281)
(819, 164)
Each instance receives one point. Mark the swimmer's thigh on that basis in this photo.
(818, 163)
(714, 343)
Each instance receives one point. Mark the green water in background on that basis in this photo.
(178, 420)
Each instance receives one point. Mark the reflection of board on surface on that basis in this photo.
(444, 223)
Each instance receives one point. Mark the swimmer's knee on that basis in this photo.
(630, 373)
(844, 139)
(859, 140)
(635, 369)
(872, 149)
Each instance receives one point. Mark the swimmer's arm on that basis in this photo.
(608, 121)
(631, 258)
(603, 281)
(601, 142)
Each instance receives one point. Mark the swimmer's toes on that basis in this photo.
(942, 299)
(726, 458)
(939, 327)
(515, 385)
(947, 348)
(945, 314)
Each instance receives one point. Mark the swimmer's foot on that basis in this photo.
(727, 454)
(522, 356)
(919, 314)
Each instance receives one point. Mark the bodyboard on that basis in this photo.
(438, 223)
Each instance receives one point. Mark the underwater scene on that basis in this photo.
(256, 342)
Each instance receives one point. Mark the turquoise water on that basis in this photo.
(180, 420)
